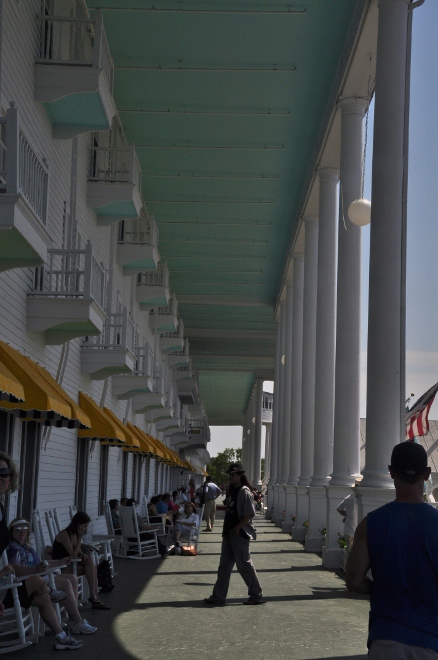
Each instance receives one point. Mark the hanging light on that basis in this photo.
(253, 420)
(359, 212)
(283, 359)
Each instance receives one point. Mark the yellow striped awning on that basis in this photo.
(130, 440)
(44, 398)
(102, 426)
(149, 447)
(10, 388)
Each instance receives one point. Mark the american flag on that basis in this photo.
(417, 418)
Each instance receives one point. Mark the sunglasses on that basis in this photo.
(5, 472)
(21, 529)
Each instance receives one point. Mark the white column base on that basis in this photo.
(290, 506)
(331, 552)
(302, 514)
(317, 518)
(278, 516)
(269, 502)
(372, 498)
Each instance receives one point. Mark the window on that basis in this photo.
(82, 458)
(7, 444)
(136, 478)
(125, 457)
(103, 478)
(29, 468)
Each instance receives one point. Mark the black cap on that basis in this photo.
(236, 467)
(409, 459)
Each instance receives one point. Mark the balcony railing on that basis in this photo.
(159, 277)
(71, 274)
(138, 231)
(76, 41)
(167, 310)
(115, 165)
(118, 332)
(144, 361)
(174, 334)
(22, 171)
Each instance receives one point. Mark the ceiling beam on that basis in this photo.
(227, 301)
(282, 10)
(213, 333)
(232, 113)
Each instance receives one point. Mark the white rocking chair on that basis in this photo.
(134, 547)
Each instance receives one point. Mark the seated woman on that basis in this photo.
(114, 508)
(161, 505)
(25, 561)
(187, 522)
(68, 544)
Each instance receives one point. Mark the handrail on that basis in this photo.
(72, 274)
(158, 277)
(76, 41)
(138, 231)
(115, 165)
(118, 332)
(174, 334)
(21, 169)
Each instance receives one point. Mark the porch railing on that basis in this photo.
(22, 171)
(118, 332)
(174, 334)
(159, 277)
(77, 41)
(144, 361)
(115, 165)
(167, 310)
(71, 274)
(138, 231)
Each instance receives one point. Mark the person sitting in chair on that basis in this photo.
(25, 561)
(68, 544)
(147, 533)
(187, 523)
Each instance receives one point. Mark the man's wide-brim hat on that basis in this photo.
(409, 458)
(236, 467)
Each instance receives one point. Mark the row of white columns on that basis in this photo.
(252, 436)
(314, 450)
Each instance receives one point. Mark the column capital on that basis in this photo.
(325, 173)
(390, 2)
(353, 105)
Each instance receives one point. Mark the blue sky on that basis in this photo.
(422, 242)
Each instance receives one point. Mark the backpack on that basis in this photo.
(104, 579)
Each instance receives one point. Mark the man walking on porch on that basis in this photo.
(236, 535)
(399, 542)
(210, 493)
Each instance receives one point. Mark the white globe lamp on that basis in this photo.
(359, 212)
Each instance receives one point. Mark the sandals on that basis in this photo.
(97, 604)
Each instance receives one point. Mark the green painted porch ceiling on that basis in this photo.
(223, 101)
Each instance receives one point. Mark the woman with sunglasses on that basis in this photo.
(188, 522)
(25, 561)
(34, 590)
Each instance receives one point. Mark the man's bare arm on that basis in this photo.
(358, 563)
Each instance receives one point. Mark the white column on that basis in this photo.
(250, 457)
(287, 396)
(268, 436)
(325, 355)
(244, 446)
(279, 491)
(308, 381)
(257, 463)
(386, 301)
(296, 383)
(346, 442)
(274, 434)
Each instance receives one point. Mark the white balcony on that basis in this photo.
(198, 433)
(153, 288)
(141, 380)
(188, 391)
(113, 351)
(74, 75)
(24, 179)
(68, 296)
(137, 246)
(179, 358)
(166, 317)
(186, 372)
(172, 341)
(146, 403)
(114, 177)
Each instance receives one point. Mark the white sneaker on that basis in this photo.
(57, 596)
(81, 628)
(67, 643)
